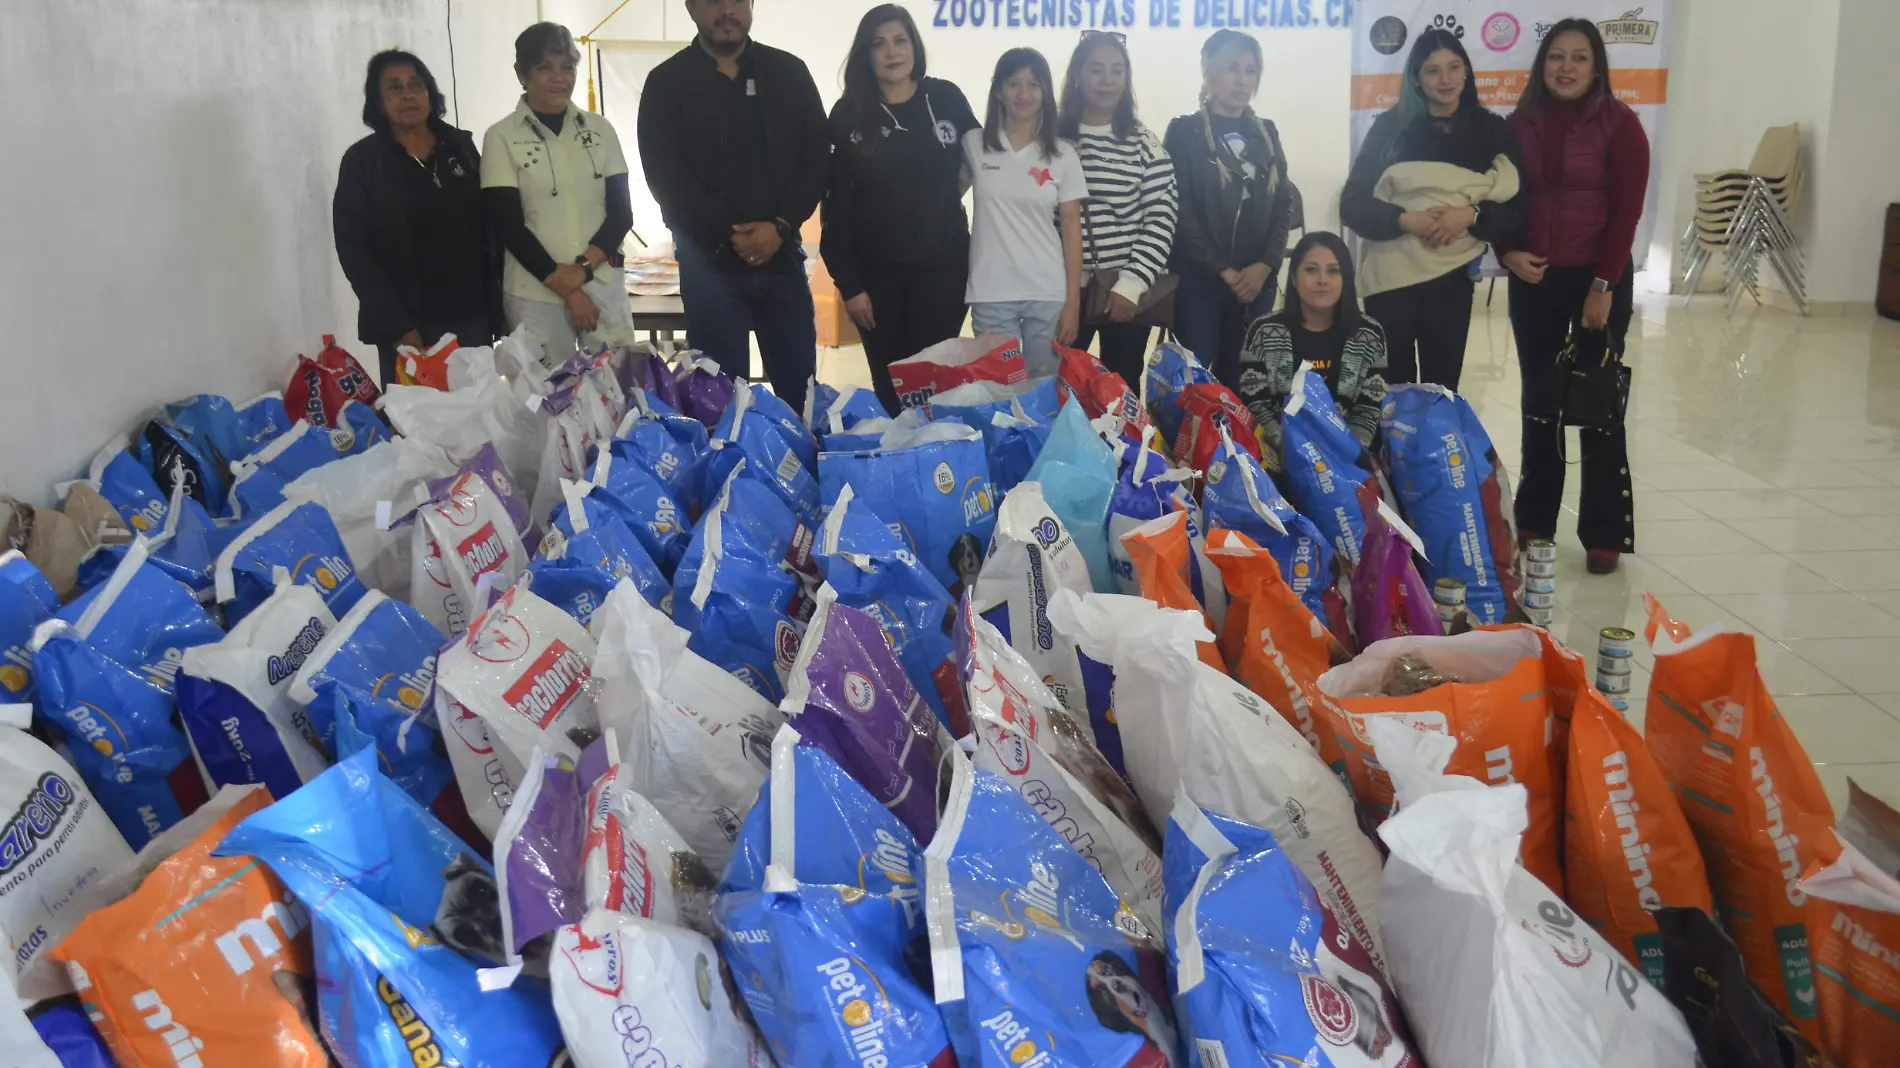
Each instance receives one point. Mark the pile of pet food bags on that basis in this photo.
(621, 713)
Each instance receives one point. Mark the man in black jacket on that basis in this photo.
(736, 151)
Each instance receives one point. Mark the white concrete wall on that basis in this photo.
(1861, 167)
(1303, 89)
(168, 204)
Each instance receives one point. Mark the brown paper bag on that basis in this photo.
(53, 541)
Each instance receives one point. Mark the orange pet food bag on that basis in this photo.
(1750, 794)
(1275, 645)
(1499, 710)
(1174, 574)
(1627, 846)
(1853, 917)
(205, 960)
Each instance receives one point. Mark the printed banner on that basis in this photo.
(1251, 16)
(1502, 37)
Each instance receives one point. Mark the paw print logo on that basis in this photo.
(1450, 24)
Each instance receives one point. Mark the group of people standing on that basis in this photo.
(1085, 227)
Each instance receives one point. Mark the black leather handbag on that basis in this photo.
(1596, 383)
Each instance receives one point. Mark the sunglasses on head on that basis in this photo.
(1119, 37)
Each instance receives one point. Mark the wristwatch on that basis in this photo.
(582, 262)
(785, 231)
(1598, 285)
(1476, 211)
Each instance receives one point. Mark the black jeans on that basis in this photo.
(1213, 325)
(915, 306)
(726, 305)
(1540, 319)
(1124, 347)
(1425, 329)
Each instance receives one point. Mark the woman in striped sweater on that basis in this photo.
(1128, 218)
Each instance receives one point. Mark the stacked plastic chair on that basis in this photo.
(1746, 216)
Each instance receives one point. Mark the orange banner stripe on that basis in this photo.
(1501, 88)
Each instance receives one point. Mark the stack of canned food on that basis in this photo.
(1613, 665)
(1448, 594)
(1540, 581)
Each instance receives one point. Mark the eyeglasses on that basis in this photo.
(1119, 37)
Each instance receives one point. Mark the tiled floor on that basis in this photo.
(1766, 451)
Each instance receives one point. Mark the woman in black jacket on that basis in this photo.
(1436, 179)
(1236, 206)
(896, 239)
(408, 219)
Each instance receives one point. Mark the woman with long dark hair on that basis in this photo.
(1586, 170)
(1026, 240)
(1236, 206)
(408, 219)
(1320, 324)
(1128, 219)
(1436, 179)
(896, 239)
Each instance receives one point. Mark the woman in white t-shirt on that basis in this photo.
(1026, 238)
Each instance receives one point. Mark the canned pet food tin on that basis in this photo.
(1615, 642)
(1614, 685)
(1541, 551)
(1540, 585)
(1546, 569)
(1543, 599)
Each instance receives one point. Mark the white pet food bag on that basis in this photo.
(635, 863)
(697, 742)
(1185, 722)
(358, 490)
(55, 848)
(463, 420)
(252, 671)
(465, 546)
(567, 435)
(1023, 735)
(1494, 970)
(523, 669)
(485, 771)
(1031, 557)
(634, 992)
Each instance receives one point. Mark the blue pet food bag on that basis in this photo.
(118, 728)
(973, 403)
(26, 601)
(672, 446)
(262, 476)
(383, 648)
(819, 947)
(834, 411)
(67, 1032)
(1328, 475)
(754, 401)
(131, 491)
(1014, 441)
(1171, 370)
(1078, 472)
(1264, 975)
(755, 446)
(300, 539)
(587, 551)
(259, 421)
(409, 751)
(932, 486)
(1146, 488)
(176, 454)
(1239, 496)
(647, 506)
(358, 429)
(396, 901)
(872, 571)
(232, 432)
(142, 618)
(186, 548)
(1035, 959)
(234, 697)
(1455, 493)
(758, 523)
(735, 601)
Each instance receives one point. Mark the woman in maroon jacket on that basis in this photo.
(1586, 167)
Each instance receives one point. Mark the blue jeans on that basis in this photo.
(1031, 321)
(726, 305)
(1212, 324)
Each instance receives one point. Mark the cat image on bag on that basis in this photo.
(693, 884)
(469, 918)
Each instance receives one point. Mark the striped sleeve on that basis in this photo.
(1131, 210)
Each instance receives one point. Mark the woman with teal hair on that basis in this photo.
(1436, 180)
